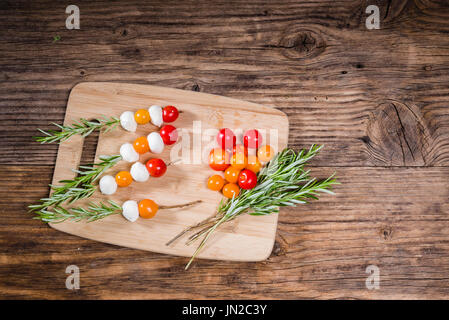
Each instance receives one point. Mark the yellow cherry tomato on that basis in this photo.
(239, 160)
(231, 190)
(147, 208)
(232, 174)
(142, 116)
(215, 182)
(123, 178)
(253, 164)
(265, 153)
(141, 145)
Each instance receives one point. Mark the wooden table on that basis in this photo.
(377, 99)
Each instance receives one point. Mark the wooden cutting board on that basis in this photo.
(248, 238)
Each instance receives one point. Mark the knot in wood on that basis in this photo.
(386, 232)
(397, 135)
(302, 44)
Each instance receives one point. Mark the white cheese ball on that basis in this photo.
(128, 122)
(108, 185)
(128, 153)
(155, 142)
(130, 210)
(139, 172)
(156, 115)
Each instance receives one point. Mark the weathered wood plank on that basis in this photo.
(314, 61)
(389, 217)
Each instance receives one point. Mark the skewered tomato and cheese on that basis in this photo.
(154, 142)
(146, 208)
(155, 114)
(139, 172)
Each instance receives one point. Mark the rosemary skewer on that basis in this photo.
(283, 182)
(79, 187)
(93, 211)
(82, 127)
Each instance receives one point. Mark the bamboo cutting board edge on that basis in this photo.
(216, 250)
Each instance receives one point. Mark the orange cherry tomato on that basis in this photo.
(253, 164)
(123, 178)
(232, 174)
(230, 190)
(142, 116)
(218, 159)
(239, 148)
(147, 208)
(239, 160)
(141, 145)
(215, 182)
(265, 153)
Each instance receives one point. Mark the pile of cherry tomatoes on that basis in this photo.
(240, 169)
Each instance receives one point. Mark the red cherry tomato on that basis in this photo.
(169, 134)
(156, 167)
(252, 139)
(169, 114)
(226, 138)
(247, 179)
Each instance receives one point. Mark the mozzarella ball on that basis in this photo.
(108, 185)
(130, 210)
(139, 172)
(128, 153)
(156, 115)
(155, 142)
(128, 122)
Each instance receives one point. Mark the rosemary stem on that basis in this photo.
(188, 204)
(203, 242)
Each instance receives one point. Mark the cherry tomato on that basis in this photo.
(218, 159)
(239, 148)
(232, 174)
(239, 161)
(215, 182)
(156, 167)
(147, 208)
(252, 139)
(123, 178)
(253, 164)
(226, 138)
(247, 179)
(169, 134)
(141, 145)
(170, 114)
(142, 116)
(265, 153)
(230, 190)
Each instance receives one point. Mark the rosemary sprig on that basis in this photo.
(93, 212)
(82, 127)
(79, 187)
(283, 182)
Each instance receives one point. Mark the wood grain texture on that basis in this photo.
(377, 99)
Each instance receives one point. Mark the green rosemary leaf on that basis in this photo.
(93, 212)
(82, 127)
